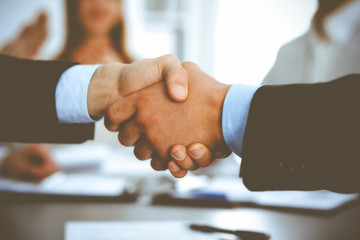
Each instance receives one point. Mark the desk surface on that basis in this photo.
(46, 220)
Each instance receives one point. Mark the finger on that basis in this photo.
(119, 112)
(42, 18)
(182, 159)
(190, 67)
(175, 76)
(222, 153)
(157, 163)
(143, 149)
(176, 171)
(200, 154)
(129, 133)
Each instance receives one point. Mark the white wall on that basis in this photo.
(249, 34)
(233, 40)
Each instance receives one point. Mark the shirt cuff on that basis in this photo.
(71, 94)
(235, 114)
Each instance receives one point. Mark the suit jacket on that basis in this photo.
(304, 136)
(27, 103)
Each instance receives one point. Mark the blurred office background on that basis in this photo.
(233, 40)
(236, 41)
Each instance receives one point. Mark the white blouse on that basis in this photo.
(309, 59)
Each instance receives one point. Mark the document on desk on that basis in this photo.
(69, 184)
(169, 230)
(234, 191)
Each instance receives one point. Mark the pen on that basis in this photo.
(243, 235)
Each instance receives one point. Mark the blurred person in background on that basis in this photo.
(330, 49)
(95, 34)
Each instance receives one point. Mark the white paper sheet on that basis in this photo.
(65, 184)
(133, 231)
(235, 191)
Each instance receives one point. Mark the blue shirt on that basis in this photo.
(71, 104)
(71, 94)
(235, 113)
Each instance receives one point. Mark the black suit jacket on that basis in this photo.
(27, 103)
(304, 136)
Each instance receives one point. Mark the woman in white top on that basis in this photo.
(330, 49)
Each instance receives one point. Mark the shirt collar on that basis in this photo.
(341, 26)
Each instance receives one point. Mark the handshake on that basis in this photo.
(170, 112)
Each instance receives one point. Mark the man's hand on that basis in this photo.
(112, 82)
(192, 157)
(31, 163)
(153, 123)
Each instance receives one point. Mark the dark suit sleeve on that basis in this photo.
(27, 103)
(304, 137)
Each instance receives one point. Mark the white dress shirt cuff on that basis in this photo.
(71, 94)
(235, 114)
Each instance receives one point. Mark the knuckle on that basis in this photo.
(189, 165)
(143, 98)
(146, 121)
(153, 137)
(203, 162)
(170, 58)
(188, 65)
(111, 114)
(179, 71)
(142, 119)
(125, 140)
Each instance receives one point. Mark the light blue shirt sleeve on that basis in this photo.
(71, 94)
(235, 114)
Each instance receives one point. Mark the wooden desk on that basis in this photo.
(45, 220)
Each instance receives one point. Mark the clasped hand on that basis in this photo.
(167, 131)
